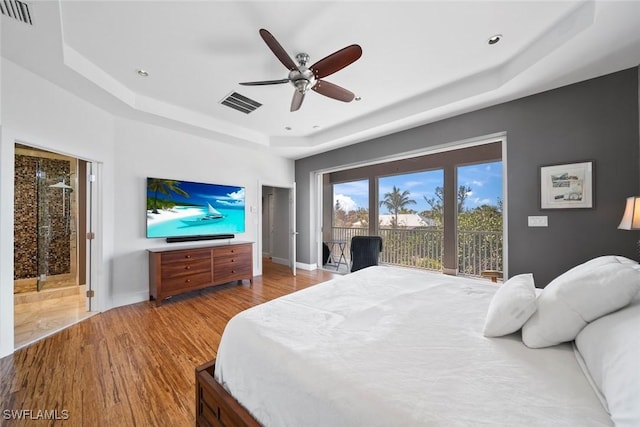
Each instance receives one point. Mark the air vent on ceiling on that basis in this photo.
(16, 9)
(240, 103)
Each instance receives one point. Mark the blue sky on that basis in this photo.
(485, 181)
(202, 193)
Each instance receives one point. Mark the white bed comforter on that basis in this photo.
(390, 346)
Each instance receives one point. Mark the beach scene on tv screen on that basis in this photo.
(183, 208)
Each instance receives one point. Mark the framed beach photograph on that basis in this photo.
(567, 186)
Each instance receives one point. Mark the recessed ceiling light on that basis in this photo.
(495, 39)
(142, 73)
(287, 127)
(357, 98)
(316, 126)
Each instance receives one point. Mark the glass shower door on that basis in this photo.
(56, 231)
(45, 219)
(43, 228)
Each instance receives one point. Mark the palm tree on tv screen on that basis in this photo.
(163, 186)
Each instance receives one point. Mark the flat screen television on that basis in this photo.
(184, 209)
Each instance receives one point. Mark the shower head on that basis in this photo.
(62, 185)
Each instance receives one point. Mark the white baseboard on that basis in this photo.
(307, 267)
(283, 261)
(126, 299)
(300, 265)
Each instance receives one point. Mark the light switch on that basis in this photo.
(538, 221)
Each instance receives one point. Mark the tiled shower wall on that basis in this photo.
(59, 216)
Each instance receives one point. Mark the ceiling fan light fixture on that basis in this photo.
(301, 85)
(304, 78)
(494, 39)
(142, 73)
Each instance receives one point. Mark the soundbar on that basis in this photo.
(198, 238)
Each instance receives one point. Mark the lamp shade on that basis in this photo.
(631, 217)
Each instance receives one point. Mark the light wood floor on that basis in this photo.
(134, 365)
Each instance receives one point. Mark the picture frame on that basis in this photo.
(567, 186)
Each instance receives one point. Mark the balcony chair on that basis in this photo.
(365, 251)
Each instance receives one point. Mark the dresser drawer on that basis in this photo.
(225, 261)
(231, 272)
(186, 282)
(182, 256)
(232, 250)
(171, 270)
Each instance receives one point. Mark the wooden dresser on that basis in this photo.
(176, 271)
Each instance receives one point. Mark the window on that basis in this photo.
(479, 225)
(410, 219)
(351, 204)
(440, 211)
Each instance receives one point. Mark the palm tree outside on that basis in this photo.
(396, 201)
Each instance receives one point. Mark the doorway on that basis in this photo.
(50, 274)
(278, 235)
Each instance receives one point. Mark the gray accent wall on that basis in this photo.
(596, 120)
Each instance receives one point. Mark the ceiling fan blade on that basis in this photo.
(265, 82)
(296, 102)
(333, 91)
(278, 50)
(336, 61)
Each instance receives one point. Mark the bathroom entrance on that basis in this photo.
(50, 274)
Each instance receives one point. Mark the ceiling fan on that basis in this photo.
(304, 78)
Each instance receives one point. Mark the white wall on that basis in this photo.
(6, 247)
(38, 113)
(145, 150)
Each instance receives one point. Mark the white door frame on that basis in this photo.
(293, 231)
(293, 239)
(94, 259)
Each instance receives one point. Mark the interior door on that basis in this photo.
(293, 233)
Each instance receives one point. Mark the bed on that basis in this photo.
(393, 346)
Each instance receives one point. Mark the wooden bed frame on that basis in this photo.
(215, 407)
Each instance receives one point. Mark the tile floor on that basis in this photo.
(39, 314)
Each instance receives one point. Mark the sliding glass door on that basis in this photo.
(439, 211)
(479, 224)
(410, 220)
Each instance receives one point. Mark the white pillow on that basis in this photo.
(601, 260)
(610, 349)
(578, 297)
(511, 306)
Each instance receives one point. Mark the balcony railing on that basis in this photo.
(423, 248)
(479, 251)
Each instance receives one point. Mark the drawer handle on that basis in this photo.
(187, 256)
(233, 271)
(188, 281)
(233, 260)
